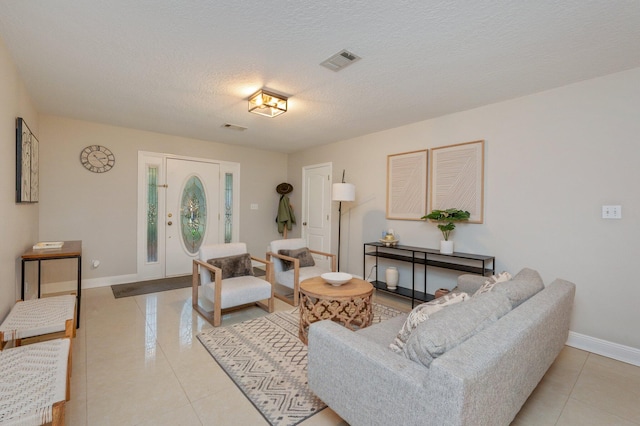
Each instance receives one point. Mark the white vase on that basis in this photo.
(446, 247)
(391, 274)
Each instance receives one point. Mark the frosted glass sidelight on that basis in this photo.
(152, 214)
(228, 207)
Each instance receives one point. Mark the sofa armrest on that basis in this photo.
(510, 357)
(470, 283)
(355, 376)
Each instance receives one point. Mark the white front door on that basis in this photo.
(316, 206)
(192, 212)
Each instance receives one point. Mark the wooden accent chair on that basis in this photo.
(224, 272)
(289, 259)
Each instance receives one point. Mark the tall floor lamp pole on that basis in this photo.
(342, 192)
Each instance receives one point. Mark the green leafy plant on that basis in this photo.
(447, 218)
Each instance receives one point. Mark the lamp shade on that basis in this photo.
(344, 192)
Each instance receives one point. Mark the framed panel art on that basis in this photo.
(27, 164)
(457, 178)
(407, 185)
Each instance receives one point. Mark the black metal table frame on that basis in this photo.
(421, 256)
(79, 289)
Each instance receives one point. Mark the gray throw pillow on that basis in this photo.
(452, 326)
(422, 313)
(302, 254)
(522, 286)
(233, 266)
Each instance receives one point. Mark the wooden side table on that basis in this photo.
(349, 304)
(69, 250)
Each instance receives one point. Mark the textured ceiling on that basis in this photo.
(187, 67)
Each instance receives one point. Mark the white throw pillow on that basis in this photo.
(492, 281)
(423, 312)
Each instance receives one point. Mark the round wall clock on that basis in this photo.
(97, 158)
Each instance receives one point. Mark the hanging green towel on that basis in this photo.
(285, 215)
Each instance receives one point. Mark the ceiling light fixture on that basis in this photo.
(267, 103)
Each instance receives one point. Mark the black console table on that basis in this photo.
(464, 262)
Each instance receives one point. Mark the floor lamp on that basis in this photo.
(342, 192)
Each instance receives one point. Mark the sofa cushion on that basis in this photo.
(423, 312)
(233, 266)
(303, 254)
(454, 325)
(522, 286)
(492, 281)
(385, 331)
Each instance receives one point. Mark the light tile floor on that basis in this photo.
(136, 361)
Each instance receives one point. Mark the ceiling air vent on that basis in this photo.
(234, 127)
(340, 60)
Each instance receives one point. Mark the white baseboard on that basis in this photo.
(605, 348)
(107, 281)
(63, 286)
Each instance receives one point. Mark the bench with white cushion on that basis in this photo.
(34, 383)
(39, 317)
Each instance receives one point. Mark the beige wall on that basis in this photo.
(552, 160)
(100, 209)
(18, 222)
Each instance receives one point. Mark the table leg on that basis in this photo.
(22, 290)
(39, 276)
(79, 291)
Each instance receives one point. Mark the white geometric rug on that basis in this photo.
(268, 362)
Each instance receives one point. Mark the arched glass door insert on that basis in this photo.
(193, 217)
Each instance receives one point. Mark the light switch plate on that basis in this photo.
(612, 212)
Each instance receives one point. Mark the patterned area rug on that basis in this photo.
(268, 362)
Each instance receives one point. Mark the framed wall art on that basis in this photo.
(457, 178)
(407, 185)
(27, 164)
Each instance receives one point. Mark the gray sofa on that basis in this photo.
(484, 380)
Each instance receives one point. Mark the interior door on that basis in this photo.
(316, 207)
(192, 212)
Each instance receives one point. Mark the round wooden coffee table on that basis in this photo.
(348, 304)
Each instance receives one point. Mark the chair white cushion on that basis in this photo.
(285, 278)
(239, 291)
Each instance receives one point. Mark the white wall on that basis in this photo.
(18, 222)
(552, 160)
(100, 209)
